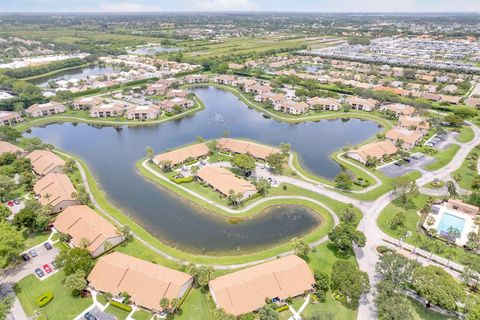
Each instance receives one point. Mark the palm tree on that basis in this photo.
(453, 234)
(451, 253)
(149, 151)
(416, 240)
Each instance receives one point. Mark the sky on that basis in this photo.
(240, 5)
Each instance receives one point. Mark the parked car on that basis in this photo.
(16, 201)
(47, 245)
(33, 253)
(10, 203)
(89, 316)
(25, 257)
(47, 268)
(39, 272)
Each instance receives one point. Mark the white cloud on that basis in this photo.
(225, 5)
(126, 7)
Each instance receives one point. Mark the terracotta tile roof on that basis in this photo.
(404, 134)
(44, 161)
(246, 290)
(376, 149)
(146, 283)
(399, 108)
(418, 122)
(223, 180)
(57, 186)
(180, 155)
(8, 147)
(81, 222)
(239, 146)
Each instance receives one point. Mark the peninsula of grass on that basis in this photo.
(150, 246)
(443, 157)
(466, 174)
(84, 117)
(466, 135)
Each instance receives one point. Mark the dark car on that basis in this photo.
(89, 316)
(25, 257)
(47, 245)
(16, 201)
(39, 272)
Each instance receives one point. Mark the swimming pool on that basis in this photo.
(449, 220)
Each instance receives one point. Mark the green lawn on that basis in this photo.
(196, 306)
(63, 306)
(421, 313)
(443, 157)
(117, 312)
(142, 315)
(468, 171)
(466, 134)
(36, 239)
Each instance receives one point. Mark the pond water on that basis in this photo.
(151, 50)
(77, 73)
(111, 154)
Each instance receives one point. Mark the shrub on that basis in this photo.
(44, 299)
(282, 308)
(182, 180)
(120, 305)
(383, 249)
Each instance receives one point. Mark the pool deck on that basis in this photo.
(468, 227)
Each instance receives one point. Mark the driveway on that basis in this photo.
(393, 171)
(100, 314)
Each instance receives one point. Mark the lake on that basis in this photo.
(111, 154)
(76, 73)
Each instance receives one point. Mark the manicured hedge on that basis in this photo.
(282, 308)
(182, 180)
(120, 305)
(44, 299)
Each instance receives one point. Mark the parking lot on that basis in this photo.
(25, 268)
(399, 168)
(100, 315)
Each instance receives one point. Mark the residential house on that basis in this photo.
(177, 93)
(55, 190)
(362, 104)
(256, 150)
(7, 147)
(170, 105)
(375, 150)
(44, 162)
(450, 99)
(156, 88)
(107, 110)
(415, 123)
(8, 118)
(408, 138)
(179, 156)
(224, 181)
(196, 78)
(145, 282)
(463, 207)
(142, 113)
(87, 103)
(474, 102)
(431, 96)
(45, 109)
(399, 109)
(247, 290)
(86, 227)
(292, 107)
(326, 104)
(224, 79)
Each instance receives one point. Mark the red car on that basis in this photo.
(47, 268)
(10, 203)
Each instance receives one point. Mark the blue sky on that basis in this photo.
(240, 5)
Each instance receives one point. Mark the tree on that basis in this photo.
(262, 186)
(6, 303)
(346, 148)
(11, 243)
(453, 120)
(276, 162)
(200, 139)
(194, 170)
(219, 314)
(404, 189)
(268, 313)
(232, 198)
(76, 281)
(398, 221)
(7, 185)
(201, 274)
(165, 165)
(344, 181)
(344, 236)
(452, 190)
(348, 215)
(4, 213)
(390, 304)
(396, 268)
(165, 304)
(125, 232)
(300, 248)
(73, 260)
(438, 287)
(9, 134)
(452, 234)
(226, 133)
(212, 146)
(243, 162)
(285, 148)
(349, 280)
(473, 311)
(150, 153)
